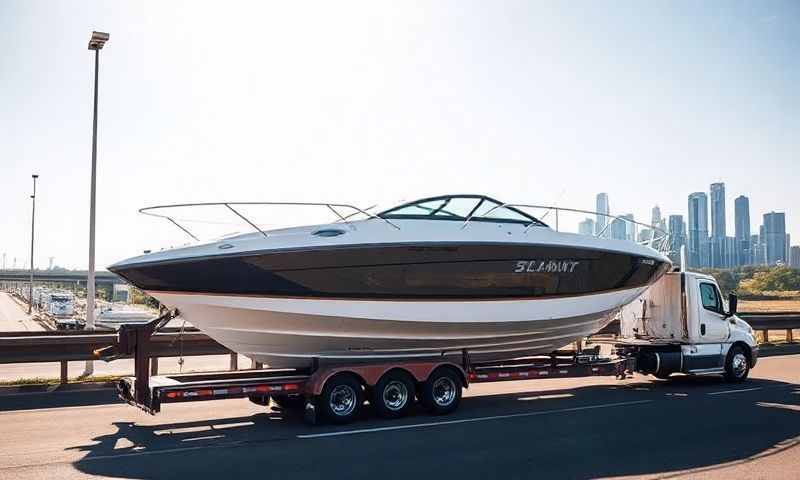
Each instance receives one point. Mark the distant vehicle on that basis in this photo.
(60, 304)
(682, 325)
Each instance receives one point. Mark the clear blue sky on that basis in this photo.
(367, 102)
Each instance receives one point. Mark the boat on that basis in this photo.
(427, 278)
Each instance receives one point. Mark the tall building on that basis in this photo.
(741, 208)
(788, 248)
(717, 224)
(698, 247)
(775, 232)
(586, 227)
(602, 215)
(677, 237)
(644, 235)
(630, 228)
(729, 259)
(618, 229)
(756, 251)
(794, 258)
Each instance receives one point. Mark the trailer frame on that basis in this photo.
(149, 393)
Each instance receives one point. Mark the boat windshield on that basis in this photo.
(476, 208)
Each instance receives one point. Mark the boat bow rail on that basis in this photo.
(342, 211)
(659, 239)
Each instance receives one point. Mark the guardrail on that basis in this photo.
(765, 321)
(64, 346)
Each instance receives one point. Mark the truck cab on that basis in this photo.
(682, 324)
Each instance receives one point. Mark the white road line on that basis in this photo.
(723, 392)
(470, 420)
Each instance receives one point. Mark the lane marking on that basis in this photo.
(470, 420)
(723, 392)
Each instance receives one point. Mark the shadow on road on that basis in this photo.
(684, 425)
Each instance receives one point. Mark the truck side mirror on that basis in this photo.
(733, 300)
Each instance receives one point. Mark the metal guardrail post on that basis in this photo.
(789, 335)
(256, 365)
(234, 361)
(153, 365)
(64, 372)
(766, 336)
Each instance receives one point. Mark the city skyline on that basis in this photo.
(714, 249)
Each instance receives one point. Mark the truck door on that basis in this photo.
(712, 323)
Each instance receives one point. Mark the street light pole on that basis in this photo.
(33, 218)
(96, 43)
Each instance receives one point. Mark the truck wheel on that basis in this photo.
(393, 395)
(341, 399)
(441, 393)
(289, 402)
(737, 367)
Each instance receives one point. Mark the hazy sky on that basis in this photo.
(365, 102)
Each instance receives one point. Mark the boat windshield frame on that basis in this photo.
(530, 221)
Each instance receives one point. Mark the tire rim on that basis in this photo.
(343, 400)
(395, 395)
(739, 365)
(444, 391)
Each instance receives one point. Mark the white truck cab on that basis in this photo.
(682, 324)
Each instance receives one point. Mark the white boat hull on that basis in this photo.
(289, 332)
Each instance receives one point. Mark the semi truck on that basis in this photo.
(679, 325)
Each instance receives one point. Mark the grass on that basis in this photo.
(55, 381)
(772, 306)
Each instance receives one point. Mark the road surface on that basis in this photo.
(13, 318)
(570, 428)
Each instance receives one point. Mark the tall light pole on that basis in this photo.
(33, 218)
(96, 43)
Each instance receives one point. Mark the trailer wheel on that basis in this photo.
(441, 393)
(393, 395)
(341, 399)
(737, 366)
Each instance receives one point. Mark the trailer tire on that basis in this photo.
(441, 392)
(737, 365)
(341, 398)
(393, 395)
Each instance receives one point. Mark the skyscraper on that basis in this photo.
(717, 224)
(677, 237)
(698, 230)
(630, 228)
(602, 220)
(794, 259)
(741, 208)
(586, 227)
(618, 229)
(775, 232)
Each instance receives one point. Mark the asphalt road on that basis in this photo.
(577, 428)
(13, 318)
